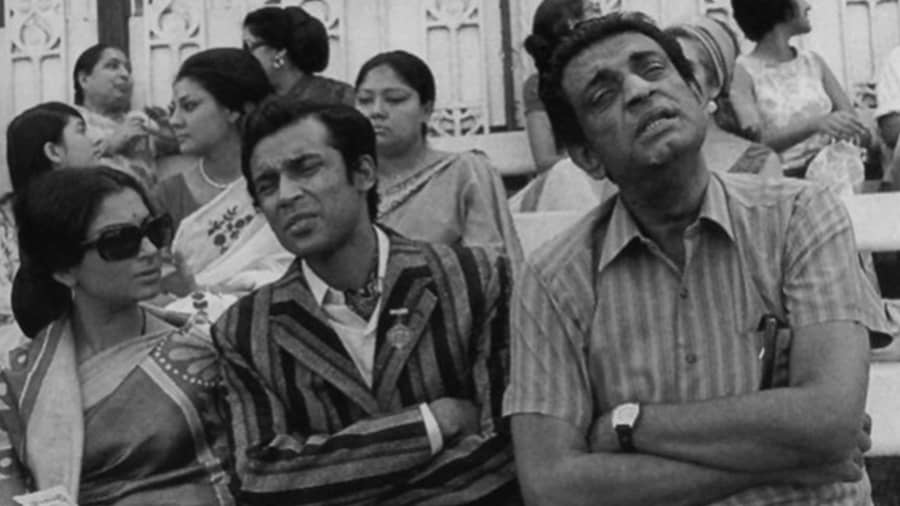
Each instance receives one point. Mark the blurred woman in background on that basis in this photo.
(48, 136)
(130, 139)
(552, 20)
(292, 47)
(788, 97)
(424, 193)
(712, 48)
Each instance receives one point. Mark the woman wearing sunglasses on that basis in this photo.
(224, 247)
(109, 403)
(48, 136)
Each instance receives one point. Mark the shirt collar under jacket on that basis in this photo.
(319, 287)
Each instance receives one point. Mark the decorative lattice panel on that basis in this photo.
(37, 50)
(454, 47)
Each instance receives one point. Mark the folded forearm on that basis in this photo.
(777, 429)
(363, 460)
(639, 480)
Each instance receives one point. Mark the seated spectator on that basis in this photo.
(426, 194)
(130, 139)
(552, 18)
(627, 388)
(712, 49)
(788, 98)
(46, 137)
(888, 112)
(292, 46)
(222, 246)
(371, 373)
(108, 401)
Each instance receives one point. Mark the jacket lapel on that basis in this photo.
(301, 327)
(408, 302)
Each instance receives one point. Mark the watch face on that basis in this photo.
(626, 414)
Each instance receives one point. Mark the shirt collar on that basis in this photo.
(623, 229)
(319, 287)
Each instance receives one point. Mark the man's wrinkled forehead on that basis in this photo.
(606, 58)
(306, 135)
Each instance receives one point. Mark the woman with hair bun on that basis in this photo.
(109, 404)
(222, 244)
(292, 47)
(552, 19)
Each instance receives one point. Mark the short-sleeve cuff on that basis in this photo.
(435, 438)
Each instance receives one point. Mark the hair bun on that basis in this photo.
(540, 49)
(309, 45)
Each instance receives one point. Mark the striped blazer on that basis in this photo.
(307, 429)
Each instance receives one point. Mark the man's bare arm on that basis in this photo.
(817, 418)
(556, 468)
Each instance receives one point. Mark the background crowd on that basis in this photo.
(154, 225)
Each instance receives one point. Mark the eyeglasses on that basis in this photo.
(250, 47)
(124, 241)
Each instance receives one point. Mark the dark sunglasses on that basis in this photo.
(124, 241)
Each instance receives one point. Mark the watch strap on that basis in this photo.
(625, 434)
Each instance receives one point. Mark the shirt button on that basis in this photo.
(691, 359)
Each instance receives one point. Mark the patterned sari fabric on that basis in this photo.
(230, 249)
(9, 257)
(136, 424)
(139, 159)
(458, 199)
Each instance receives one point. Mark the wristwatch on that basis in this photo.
(624, 418)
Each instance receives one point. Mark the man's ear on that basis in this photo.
(54, 153)
(365, 176)
(587, 160)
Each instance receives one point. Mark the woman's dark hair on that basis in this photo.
(295, 30)
(53, 215)
(25, 138)
(563, 119)
(85, 64)
(758, 17)
(232, 76)
(349, 132)
(552, 19)
(408, 67)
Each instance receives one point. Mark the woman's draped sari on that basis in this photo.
(230, 248)
(137, 424)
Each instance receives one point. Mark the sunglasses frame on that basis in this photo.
(113, 235)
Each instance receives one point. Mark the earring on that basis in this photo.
(712, 107)
(278, 62)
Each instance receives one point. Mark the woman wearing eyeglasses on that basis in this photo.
(48, 136)
(292, 46)
(108, 403)
(224, 247)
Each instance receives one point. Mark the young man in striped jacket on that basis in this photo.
(372, 372)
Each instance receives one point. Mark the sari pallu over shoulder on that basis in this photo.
(48, 402)
(230, 249)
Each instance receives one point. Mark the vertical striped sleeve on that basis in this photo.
(549, 372)
(823, 280)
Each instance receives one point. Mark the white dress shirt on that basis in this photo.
(358, 335)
